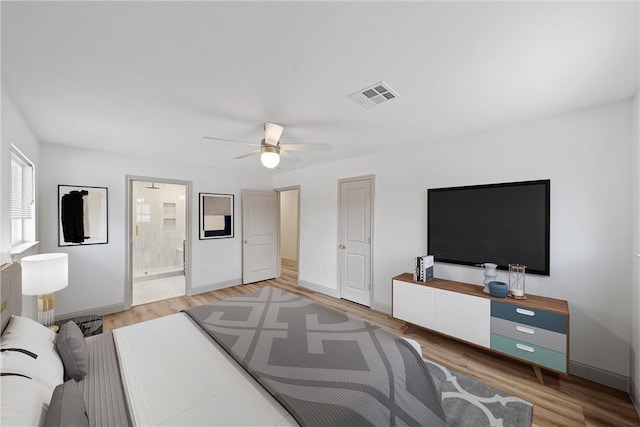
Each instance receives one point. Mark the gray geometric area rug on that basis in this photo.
(471, 403)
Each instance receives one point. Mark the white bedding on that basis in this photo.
(173, 374)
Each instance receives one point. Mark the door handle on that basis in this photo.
(342, 247)
(246, 241)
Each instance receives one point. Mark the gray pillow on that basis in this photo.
(67, 407)
(73, 351)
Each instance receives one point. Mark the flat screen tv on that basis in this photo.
(500, 223)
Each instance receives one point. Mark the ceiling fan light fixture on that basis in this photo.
(270, 156)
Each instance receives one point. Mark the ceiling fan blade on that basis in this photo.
(290, 157)
(231, 140)
(307, 147)
(272, 133)
(250, 153)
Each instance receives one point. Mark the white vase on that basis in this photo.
(490, 275)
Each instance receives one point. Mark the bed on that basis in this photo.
(266, 358)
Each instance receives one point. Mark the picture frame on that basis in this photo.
(216, 216)
(83, 215)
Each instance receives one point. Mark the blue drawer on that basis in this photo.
(529, 316)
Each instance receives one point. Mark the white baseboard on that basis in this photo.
(600, 376)
(214, 286)
(98, 311)
(384, 308)
(634, 392)
(319, 288)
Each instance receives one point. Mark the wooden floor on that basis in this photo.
(562, 401)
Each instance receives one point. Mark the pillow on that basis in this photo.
(24, 401)
(72, 349)
(67, 407)
(28, 349)
(24, 326)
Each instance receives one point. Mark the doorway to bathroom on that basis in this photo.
(158, 240)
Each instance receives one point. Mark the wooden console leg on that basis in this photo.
(406, 327)
(538, 373)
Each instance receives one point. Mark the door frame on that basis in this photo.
(280, 190)
(372, 179)
(130, 224)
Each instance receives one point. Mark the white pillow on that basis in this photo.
(24, 401)
(25, 326)
(25, 334)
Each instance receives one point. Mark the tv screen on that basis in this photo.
(499, 223)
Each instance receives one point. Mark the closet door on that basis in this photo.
(259, 235)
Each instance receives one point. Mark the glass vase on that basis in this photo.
(516, 281)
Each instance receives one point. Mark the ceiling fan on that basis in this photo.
(270, 148)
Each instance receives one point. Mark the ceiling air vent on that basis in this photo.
(373, 95)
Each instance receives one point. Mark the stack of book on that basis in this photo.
(423, 268)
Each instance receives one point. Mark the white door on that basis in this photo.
(259, 234)
(354, 246)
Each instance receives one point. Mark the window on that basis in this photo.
(22, 209)
(143, 211)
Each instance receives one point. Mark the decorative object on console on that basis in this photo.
(43, 275)
(490, 275)
(498, 289)
(423, 268)
(516, 281)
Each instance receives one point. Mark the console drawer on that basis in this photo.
(529, 334)
(530, 352)
(530, 316)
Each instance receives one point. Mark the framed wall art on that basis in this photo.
(82, 215)
(216, 216)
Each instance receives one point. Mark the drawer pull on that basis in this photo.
(525, 312)
(525, 348)
(525, 330)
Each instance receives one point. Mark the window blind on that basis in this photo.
(21, 190)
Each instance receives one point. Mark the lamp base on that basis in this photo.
(46, 309)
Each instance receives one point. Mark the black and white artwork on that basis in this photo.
(82, 215)
(216, 216)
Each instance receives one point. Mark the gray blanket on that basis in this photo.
(324, 367)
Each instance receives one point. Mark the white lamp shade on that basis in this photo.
(269, 159)
(44, 273)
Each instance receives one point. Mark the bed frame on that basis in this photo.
(102, 387)
(10, 291)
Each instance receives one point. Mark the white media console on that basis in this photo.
(535, 330)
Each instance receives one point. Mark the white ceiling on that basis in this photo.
(152, 78)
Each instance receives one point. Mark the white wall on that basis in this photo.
(635, 263)
(97, 272)
(289, 224)
(585, 154)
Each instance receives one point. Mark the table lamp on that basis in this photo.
(43, 275)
